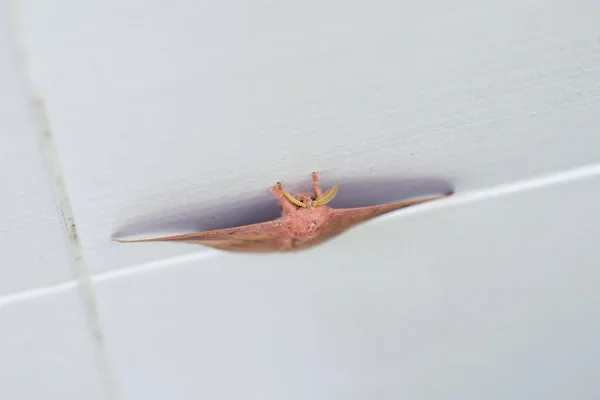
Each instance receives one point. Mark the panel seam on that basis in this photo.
(52, 160)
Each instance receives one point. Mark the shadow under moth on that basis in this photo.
(306, 221)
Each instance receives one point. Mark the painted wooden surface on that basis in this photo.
(131, 117)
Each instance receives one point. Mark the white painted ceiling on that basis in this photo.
(144, 117)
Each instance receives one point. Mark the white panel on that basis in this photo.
(33, 246)
(174, 116)
(48, 350)
(491, 299)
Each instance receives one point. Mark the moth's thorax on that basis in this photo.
(306, 223)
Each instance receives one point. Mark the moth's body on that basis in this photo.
(306, 221)
(302, 225)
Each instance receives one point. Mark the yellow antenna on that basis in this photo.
(292, 198)
(327, 197)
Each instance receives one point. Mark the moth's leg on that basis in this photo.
(284, 202)
(316, 188)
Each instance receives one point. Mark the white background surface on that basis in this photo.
(121, 117)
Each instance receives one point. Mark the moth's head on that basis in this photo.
(306, 198)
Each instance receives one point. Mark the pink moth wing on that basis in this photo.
(305, 222)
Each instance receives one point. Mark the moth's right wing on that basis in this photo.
(256, 238)
(343, 219)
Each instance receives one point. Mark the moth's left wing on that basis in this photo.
(255, 238)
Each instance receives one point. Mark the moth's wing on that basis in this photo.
(255, 238)
(344, 218)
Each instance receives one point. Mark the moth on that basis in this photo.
(306, 221)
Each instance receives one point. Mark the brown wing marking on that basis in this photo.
(256, 238)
